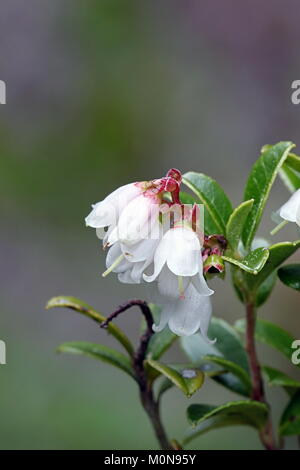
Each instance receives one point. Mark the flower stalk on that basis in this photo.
(149, 403)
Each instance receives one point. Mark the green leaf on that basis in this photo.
(277, 255)
(228, 346)
(251, 413)
(81, 307)
(290, 275)
(187, 380)
(290, 420)
(100, 352)
(270, 334)
(187, 198)
(265, 289)
(259, 184)
(253, 262)
(161, 341)
(217, 205)
(221, 420)
(210, 370)
(277, 378)
(293, 161)
(232, 367)
(236, 223)
(290, 178)
(165, 385)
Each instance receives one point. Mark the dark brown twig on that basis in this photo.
(150, 405)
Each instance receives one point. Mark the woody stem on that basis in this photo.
(257, 393)
(150, 405)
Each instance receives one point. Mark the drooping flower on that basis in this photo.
(178, 262)
(290, 211)
(178, 269)
(105, 214)
(187, 316)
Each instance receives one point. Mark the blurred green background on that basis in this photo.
(101, 93)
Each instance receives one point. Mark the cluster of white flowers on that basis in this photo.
(153, 238)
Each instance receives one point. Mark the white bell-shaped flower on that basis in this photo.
(187, 316)
(107, 212)
(290, 211)
(178, 262)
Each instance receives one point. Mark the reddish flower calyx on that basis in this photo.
(175, 174)
(214, 265)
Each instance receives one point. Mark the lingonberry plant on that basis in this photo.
(155, 235)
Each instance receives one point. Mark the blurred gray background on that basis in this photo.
(101, 93)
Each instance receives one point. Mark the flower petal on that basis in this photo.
(140, 251)
(102, 215)
(163, 321)
(185, 314)
(191, 314)
(106, 212)
(205, 314)
(138, 269)
(168, 284)
(290, 209)
(126, 278)
(184, 251)
(160, 258)
(136, 219)
(199, 281)
(113, 253)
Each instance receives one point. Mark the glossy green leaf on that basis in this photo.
(212, 424)
(228, 345)
(217, 205)
(253, 262)
(232, 367)
(81, 307)
(232, 383)
(161, 341)
(277, 255)
(253, 413)
(290, 420)
(259, 184)
(187, 380)
(209, 370)
(265, 289)
(290, 275)
(222, 420)
(100, 352)
(277, 378)
(235, 224)
(290, 178)
(270, 334)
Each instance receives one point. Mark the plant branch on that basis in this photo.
(150, 405)
(257, 393)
